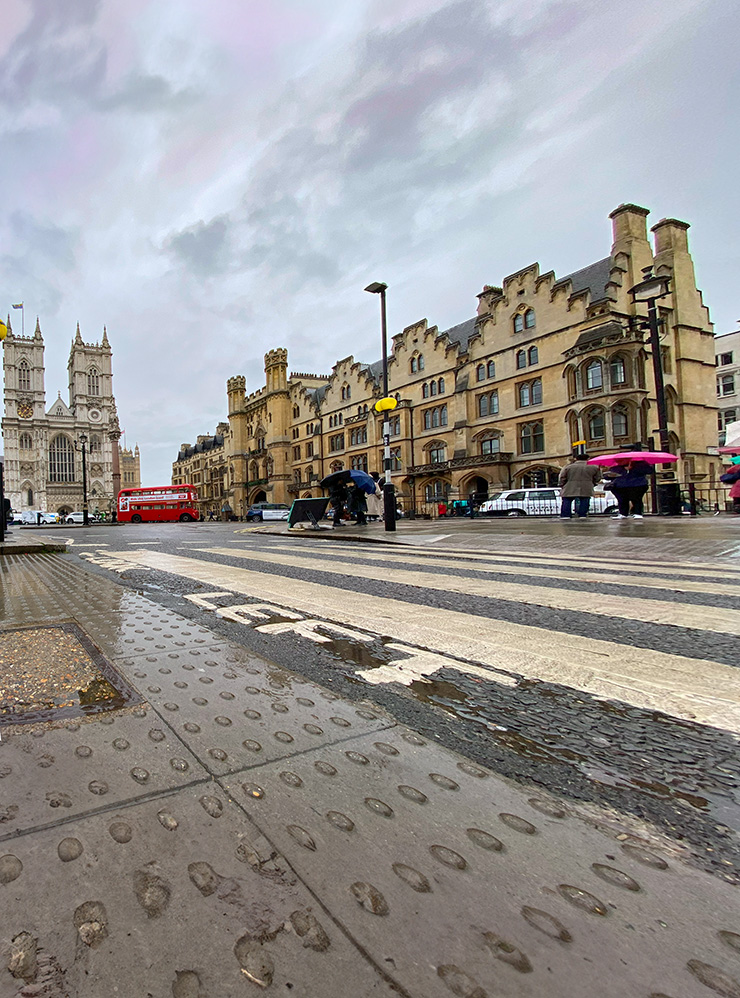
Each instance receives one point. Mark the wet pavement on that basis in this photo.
(261, 827)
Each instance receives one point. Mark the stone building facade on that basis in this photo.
(130, 462)
(42, 444)
(205, 466)
(500, 399)
(727, 353)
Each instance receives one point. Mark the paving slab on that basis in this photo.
(177, 897)
(467, 885)
(53, 773)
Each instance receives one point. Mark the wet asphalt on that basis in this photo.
(680, 776)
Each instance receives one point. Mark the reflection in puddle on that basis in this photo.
(368, 655)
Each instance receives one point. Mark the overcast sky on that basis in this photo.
(211, 180)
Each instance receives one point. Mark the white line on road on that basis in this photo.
(642, 677)
(718, 619)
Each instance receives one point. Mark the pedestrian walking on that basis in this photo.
(577, 481)
(375, 501)
(358, 505)
(732, 478)
(629, 484)
(337, 499)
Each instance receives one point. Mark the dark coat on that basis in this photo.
(357, 501)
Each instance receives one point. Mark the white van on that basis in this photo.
(34, 516)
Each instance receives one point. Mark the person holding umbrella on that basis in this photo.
(337, 499)
(357, 504)
(628, 482)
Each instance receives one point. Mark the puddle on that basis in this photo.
(368, 655)
(56, 672)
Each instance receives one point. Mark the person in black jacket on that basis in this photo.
(629, 484)
(358, 505)
(337, 499)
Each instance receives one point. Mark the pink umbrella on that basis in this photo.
(649, 456)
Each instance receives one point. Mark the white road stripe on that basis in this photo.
(644, 678)
(711, 618)
(584, 574)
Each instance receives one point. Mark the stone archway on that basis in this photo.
(259, 496)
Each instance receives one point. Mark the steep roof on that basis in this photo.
(592, 278)
(460, 333)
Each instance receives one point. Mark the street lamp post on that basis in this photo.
(649, 290)
(385, 405)
(82, 441)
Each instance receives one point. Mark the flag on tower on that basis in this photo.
(18, 306)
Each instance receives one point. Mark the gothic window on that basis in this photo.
(296, 412)
(421, 361)
(297, 453)
(24, 377)
(358, 436)
(620, 421)
(480, 372)
(441, 386)
(337, 466)
(531, 437)
(596, 423)
(491, 371)
(533, 355)
(490, 445)
(425, 390)
(414, 365)
(530, 393)
(396, 459)
(309, 473)
(488, 404)
(443, 416)
(30, 498)
(395, 424)
(518, 322)
(336, 442)
(359, 462)
(61, 460)
(437, 453)
(529, 319)
(521, 359)
(436, 491)
(432, 387)
(94, 444)
(594, 376)
(93, 382)
(617, 372)
(309, 449)
(25, 441)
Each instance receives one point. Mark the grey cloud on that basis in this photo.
(144, 93)
(56, 56)
(42, 241)
(204, 247)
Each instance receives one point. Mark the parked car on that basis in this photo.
(267, 511)
(539, 502)
(75, 518)
(34, 516)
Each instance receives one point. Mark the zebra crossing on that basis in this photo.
(652, 635)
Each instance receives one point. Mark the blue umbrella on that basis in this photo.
(363, 481)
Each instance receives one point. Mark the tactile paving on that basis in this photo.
(467, 885)
(235, 710)
(181, 898)
(51, 774)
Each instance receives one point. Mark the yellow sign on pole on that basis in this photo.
(3, 330)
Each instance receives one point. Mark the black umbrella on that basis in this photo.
(361, 479)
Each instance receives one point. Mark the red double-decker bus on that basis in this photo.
(166, 502)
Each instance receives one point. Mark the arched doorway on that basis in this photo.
(477, 489)
(259, 496)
